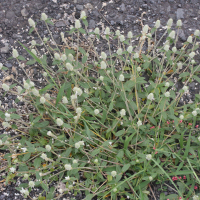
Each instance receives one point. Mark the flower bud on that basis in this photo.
(136, 55)
(130, 35)
(172, 35)
(117, 33)
(44, 17)
(103, 55)
(42, 100)
(145, 29)
(83, 15)
(130, 49)
(157, 24)
(77, 24)
(31, 22)
(59, 122)
(119, 52)
(57, 56)
(35, 92)
(174, 49)
(179, 23)
(34, 52)
(63, 57)
(170, 22)
(107, 31)
(103, 65)
(33, 42)
(166, 48)
(64, 100)
(15, 53)
(121, 77)
(121, 38)
(96, 31)
(5, 87)
(70, 57)
(189, 39)
(196, 33)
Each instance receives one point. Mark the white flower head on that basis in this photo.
(77, 24)
(114, 189)
(166, 47)
(107, 31)
(167, 84)
(130, 35)
(194, 113)
(121, 38)
(77, 145)
(15, 53)
(96, 31)
(117, 33)
(26, 192)
(78, 110)
(121, 77)
(57, 56)
(63, 57)
(196, 33)
(103, 55)
(24, 149)
(189, 39)
(64, 100)
(42, 100)
(113, 173)
(33, 42)
(103, 65)
(167, 94)
(179, 23)
(195, 197)
(83, 15)
(44, 17)
(1, 65)
(181, 117)
(44, 74)
(44, 156)
(67, 178)
(96, 111)
(145, 29)
(49, 133)
(170, 22)
(48, 147)
(68, 167)
(185, 88)
(148, 156)
(122, 112)
(139, 69)
(69, 66)
(174, 49)
(31, 184)
(130, 49)
(180, 65)
(59, 122)
(157, 24)
(22, 190)
(75, 161)
(5, 87)
(119, 51)
(96, 160)
(26, 176)
(31, 22)
(73, 97)
(150, 96)
(172, 34)
(12, 170)
(101, 78)
(6, 125)
(136, 55)
(192, 54)
(192, 61)
(35, 92)
(139, 123)
(70, 57)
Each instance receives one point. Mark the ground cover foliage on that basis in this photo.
(106, 125)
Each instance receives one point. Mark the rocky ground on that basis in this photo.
(124, 15)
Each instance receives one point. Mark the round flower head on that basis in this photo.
(15, 53)
(167, 94)
(130, 49)
(35, 92)
(96, 111)
(114, 189)
(70, 57)
(172, 34)
(113, 173)
(179, 23)
(167, 84)
(103, 55)
(69, 66)
(77, 145)
(121, 77)
(196, 33)
(119, 52)
(31, 184)
(5, 87)
(145, 29)
(148, 156)
(75, 161)
(67, 178)
(42, 100)
(193, 61)
(138, 69)
(34, 52)
(26, 176)
(174, 49)
(96, 31)
(150, 96)
(122, 112)
(47, 96)
(192, 54)
(48, 147)
(83, 15)
(79, 91)
(77, 24)
(6, 124)
(49, 133)
(59, 122)
(101, 78)
(64, 100)
(194, 113)
(57, 56)
(107, 31)
(185, 88)
(44, 17)
(121, 38)
(33, 42)
(68, 167)
(95, 160)
(189, 39)
(44, 74)
(81, 143)
(63, 57)
(139, 123)
(117, 33)
(130, 35)
(166, 48)
(103, 65)
(136, 55)
(180, 65)
(157, 24)
(195, 197)
(170, 22)
(181, 117)
(44, 156)
(150, 178)
(31, 22)
(78, 110)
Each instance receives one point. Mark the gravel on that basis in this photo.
(118, 14)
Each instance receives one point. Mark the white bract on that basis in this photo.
(68, 167)
(95, 160)
(139, 123)
(78, 110)
(194, 113)
(35, 92)
(195, 197)
(174, 49)
(167, 94)
(157, 24)
(139, 69)
(5, 87)
(67, 178)
(185, 88)
(179, 23)
(77, 145)
(96, 111)
(64, 100)
(44, 17)
(181, 117)
(167, 84)
(148, 156)
(57, 56)
(170, 22)
(136, 55)
(44, 156)
(31, 22)
(166, 47)
(59, 122)
(180, 65)
(31, 184)
(145, 29)
(12, 170)
(6, 125)
(96, 31)
(33, 42)
(75, 161)
(103, 65)
(121, 38)
(107, 31)
(15, 53)
(24, 149)
(117, 33)
(63, 57)
(77, 24)
(70, 57)
(114, 189)
(44, 74)
(130, 49)
(150, 96)
(47, 96)
(113, 173)
(121, 77)
(189, 39)
(103, 55)
(42, 100)
(196, 33)
(192, 54)
(26, 176)
(130, 35)
(123, 112)
(192, 61)
(119, 52)
(69, 66)
(83, 15)
(150, 178)
(48, 147)
(172, 34)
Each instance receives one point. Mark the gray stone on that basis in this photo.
(16, 36)
(1, 30)
(91, 23)
(89, 6)
(24, 12)
(10, 14)
(122, 7)
(181, 35)
(168, 9)
(62, 23)
(95, 13)
(180, 13)
(5, 49)
(9, 65)
(79, 7)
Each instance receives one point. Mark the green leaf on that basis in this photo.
(60, 94)
(41, 124)
(31, 62)
(184, 74)
(82, 50)
(196, 78)
(85, 22)
(48, 87)
(84, 59)
(26, 157)
(87, 130)
(187, 146)
(119, 133)
(89, 196)
(152, 120)
(67, 152)
(95, 152)
(125, 167)
(31, 30)
(37, 162)
(21, 58)
(49, 22)
(44, 186)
